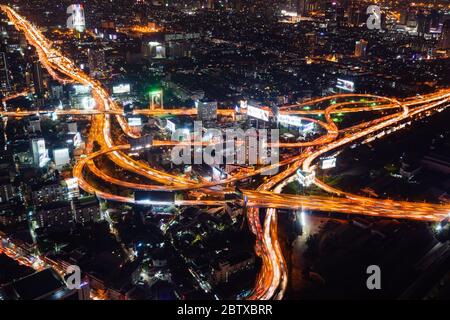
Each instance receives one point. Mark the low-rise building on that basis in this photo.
(226, 267)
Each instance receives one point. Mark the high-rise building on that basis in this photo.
(445, 37)
(435, 19)
(311, 41)
(340, 15)
(361, 48)
(38, 79)
(423, 24)
(356, 15)
(97, 61)
(5, 85)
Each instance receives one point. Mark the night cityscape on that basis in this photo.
(203, 150)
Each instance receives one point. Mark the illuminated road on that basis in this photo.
(272, 280)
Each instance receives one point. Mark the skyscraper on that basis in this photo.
(38, 80)
(4, 76)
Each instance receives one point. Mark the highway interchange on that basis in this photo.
(272, 280)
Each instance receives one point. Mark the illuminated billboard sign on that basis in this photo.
(345, 85)
(328, 163)
(154, 197)
(258, 113)
(122, 88)
(308, 127)
(134, 122)
(289, 120)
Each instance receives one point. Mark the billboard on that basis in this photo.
(328, 163)
(122, 88)
(345, 85)
(289, 120)
(154, 197)
(258, 113)
(134, 122)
